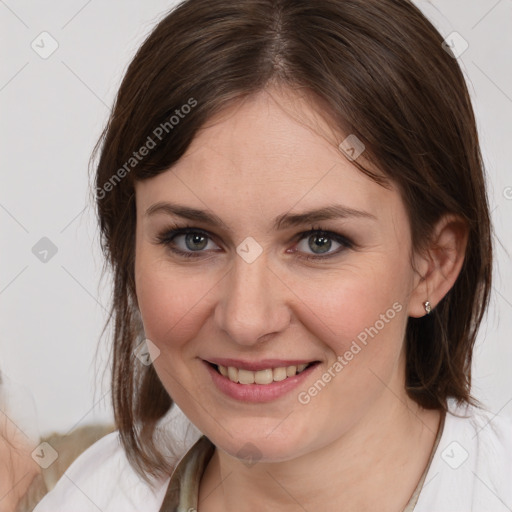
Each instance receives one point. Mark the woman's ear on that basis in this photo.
(440, 264)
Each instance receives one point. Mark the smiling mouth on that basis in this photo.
(267, 376)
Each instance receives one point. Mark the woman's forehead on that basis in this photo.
(262, 148)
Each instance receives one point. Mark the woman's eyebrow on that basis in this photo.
(281, 222)
(335, 211)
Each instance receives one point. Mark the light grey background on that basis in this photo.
(52, 112)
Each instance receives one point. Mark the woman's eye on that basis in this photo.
(313, 244)
(318, 244)
(186, 242)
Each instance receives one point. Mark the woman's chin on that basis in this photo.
(255, 448)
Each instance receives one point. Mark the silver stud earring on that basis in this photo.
(428, 308)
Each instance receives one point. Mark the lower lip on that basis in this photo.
(258, 393)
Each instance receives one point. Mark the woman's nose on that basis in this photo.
(253, 302)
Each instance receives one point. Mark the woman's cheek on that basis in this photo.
(362, 329)
(342, 304)
(173, 305)
(162, 303)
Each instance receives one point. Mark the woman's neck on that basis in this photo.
(374, 466)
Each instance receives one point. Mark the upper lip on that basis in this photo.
(262, 364)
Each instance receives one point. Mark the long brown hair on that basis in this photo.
(378, 69)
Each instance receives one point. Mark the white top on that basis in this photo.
(471, 471)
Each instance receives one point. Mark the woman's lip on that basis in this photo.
(263, 364)
(257, 393)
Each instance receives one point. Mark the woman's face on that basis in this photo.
(239, 295)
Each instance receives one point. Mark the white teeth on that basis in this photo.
(279, 374)
(245, 377)
(266, 376)
(233, 374)
(291, 371)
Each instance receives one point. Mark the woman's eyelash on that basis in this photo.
(344, 242)
(167, 236)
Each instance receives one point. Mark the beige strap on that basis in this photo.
(416, 494)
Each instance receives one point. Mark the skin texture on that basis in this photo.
(269, 155)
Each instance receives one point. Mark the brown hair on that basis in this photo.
(376, 67)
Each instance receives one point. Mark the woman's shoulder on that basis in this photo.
(102, 478)
(484, 435)
(472, 465)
